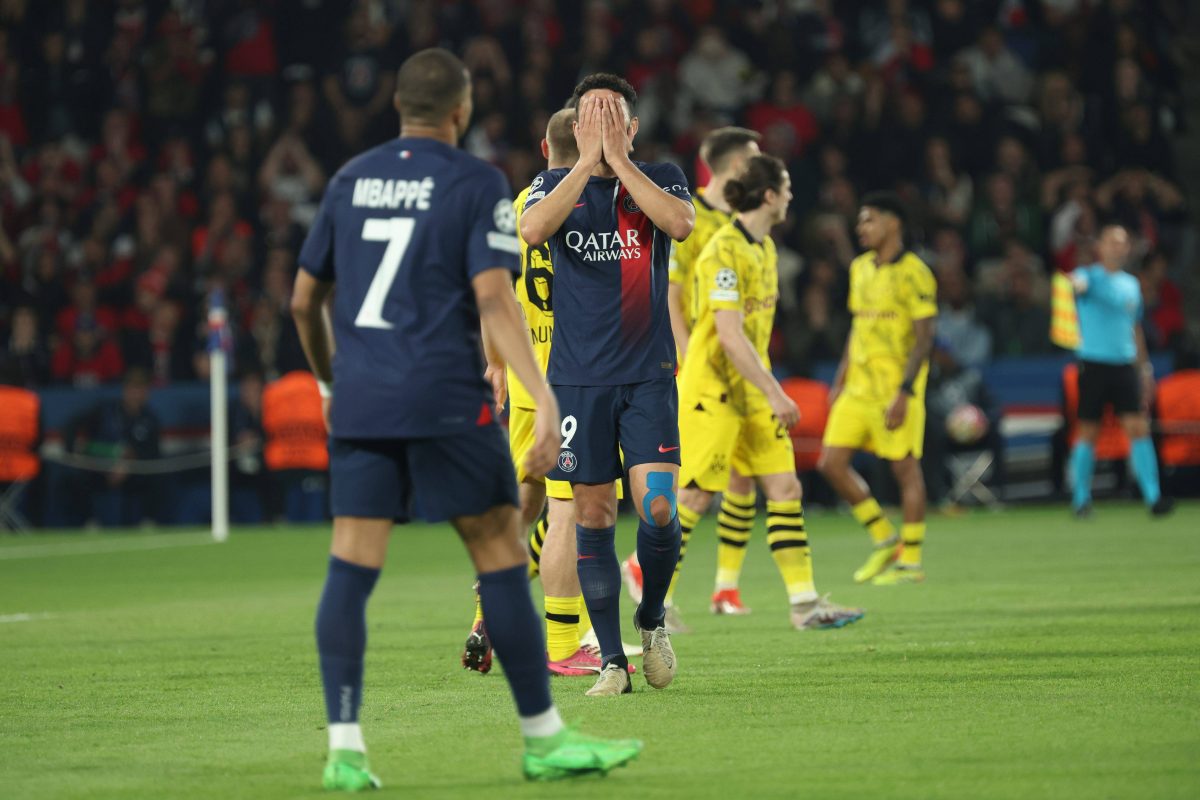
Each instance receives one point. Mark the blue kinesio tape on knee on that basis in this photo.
(658, 484)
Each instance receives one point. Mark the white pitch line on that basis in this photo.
(21, 617)
(101, 546)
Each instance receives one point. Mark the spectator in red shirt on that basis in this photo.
(87, 357)
(784, 114)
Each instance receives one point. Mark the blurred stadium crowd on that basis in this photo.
(150, 151)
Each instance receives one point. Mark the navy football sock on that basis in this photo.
(658, 552)
(515, 630)
(342, 636)
(600, 580)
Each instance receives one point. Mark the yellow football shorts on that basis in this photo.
(859, 424)
(520, 439)
(713, 437)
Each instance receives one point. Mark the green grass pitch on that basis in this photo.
(1043, 658)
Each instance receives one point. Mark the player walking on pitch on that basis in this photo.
(552, 541)
(1110, 313)
(419, 238)
(878, 396)
(609, 222)
(732, 410)
(724, 151)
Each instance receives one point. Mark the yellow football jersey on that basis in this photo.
(885, 300)
(535, 292)
(733, 273)
(684, 254)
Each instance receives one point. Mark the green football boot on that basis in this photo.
(882, 557)
(348, 771)
(570, 754)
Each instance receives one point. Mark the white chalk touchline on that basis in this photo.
(158, 542)
(21, 617)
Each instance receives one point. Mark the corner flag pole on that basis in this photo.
(218, 342)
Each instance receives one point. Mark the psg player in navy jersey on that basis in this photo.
(419, 238)
(609, 222)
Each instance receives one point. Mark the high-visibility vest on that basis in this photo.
(19, 410)
(293, 424)
(1178, 402)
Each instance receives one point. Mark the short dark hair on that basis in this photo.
(430, 84)
(724, 142)
(604, 80)
(748, 190)
(887, 202)
(890, 203)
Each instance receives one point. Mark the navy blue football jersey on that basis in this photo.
(611, 324)
(402, 229)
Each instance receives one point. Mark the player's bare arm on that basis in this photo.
(672, 216)
(542, 220)
(839, 377)
(506, 331)
(311, 313)
(731, 333)
(679, 328)
(897, 410)
(496, 373)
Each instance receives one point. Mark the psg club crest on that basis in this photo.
(629, 205)
(567, 461)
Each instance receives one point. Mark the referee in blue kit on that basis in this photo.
(1113, 368)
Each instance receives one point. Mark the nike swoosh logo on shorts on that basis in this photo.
(580, 205)
(664, 449)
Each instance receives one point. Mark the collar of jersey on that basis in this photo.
(737, 223)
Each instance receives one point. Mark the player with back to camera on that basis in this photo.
(1115, 369)
(609, 222)
(733, 412)
(878, 396)
(724, 151)
(419, 239)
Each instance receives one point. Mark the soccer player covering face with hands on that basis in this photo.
(412, 225)
(609, 222)
(732, 410)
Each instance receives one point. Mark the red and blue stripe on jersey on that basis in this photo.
(610, 286)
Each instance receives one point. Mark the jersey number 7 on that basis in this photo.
(397, 232)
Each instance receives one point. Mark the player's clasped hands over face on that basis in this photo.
(589, 132)
(616, 137)
(544, 453)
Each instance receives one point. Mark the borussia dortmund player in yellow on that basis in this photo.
(878, 396)
(724, 152)
(733, 413)
(552, 540)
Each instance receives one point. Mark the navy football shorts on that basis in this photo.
(599, 423)
(437, 479)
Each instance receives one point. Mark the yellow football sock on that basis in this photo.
(478, 611)
(585, 622)
(871, 516)
(537, 537)
(734, 522)
(913, 536)
(687, 521)
(789, 548)
(562, 627)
